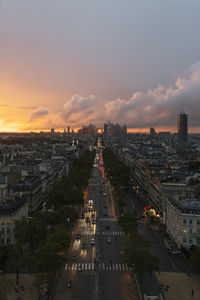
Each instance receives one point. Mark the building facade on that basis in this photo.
(182, 127)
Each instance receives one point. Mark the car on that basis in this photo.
(82, 216)
(92, 242)
(93, 222)
(92, 215)
(109, 240)
(84, 245)
(104, 194)
(77, 236)
(89, 209)
(105, 215)
(90, 202)
(87, 219)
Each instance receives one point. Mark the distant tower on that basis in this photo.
(68, 130)
(152, 131)
(105, 131)
(182, 127)
(52, 130)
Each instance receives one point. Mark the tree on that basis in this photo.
(195, 258)
(48, 258)
(29, 233)
(143, 261)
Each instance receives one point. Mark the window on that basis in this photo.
(190, 240)
(184, 221)
(184, 240)
(8, 241)
(2, 222)
(8, 230)
(190, 230)
(198, 222)
(8, 221)
(190, 221)
(2, 241)
(2, 230)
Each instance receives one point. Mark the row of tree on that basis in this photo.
(42, 240)
(137, 249)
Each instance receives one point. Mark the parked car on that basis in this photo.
(84, 245)
(109, 240)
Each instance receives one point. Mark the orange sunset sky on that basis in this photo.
(70, 64)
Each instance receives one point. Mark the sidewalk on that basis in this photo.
(180, 285)
(30, 291)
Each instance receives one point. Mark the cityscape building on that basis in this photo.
(182, 127)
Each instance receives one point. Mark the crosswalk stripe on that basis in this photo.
(101, 267)
(101, 233)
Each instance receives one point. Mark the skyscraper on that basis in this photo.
(182, 127)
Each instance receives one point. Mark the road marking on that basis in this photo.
(100, 267)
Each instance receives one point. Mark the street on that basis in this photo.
(97, 271)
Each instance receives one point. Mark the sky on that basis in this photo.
(75, 62)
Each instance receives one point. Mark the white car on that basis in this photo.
(92, 242)
(90, 202)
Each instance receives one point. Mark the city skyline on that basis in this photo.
(62, 65)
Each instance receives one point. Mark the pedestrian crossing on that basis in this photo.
(100, 267)
(111, 219)
(93, 233)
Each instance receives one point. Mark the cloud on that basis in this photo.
(155, 107)
(81, 110)
(38, 114)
